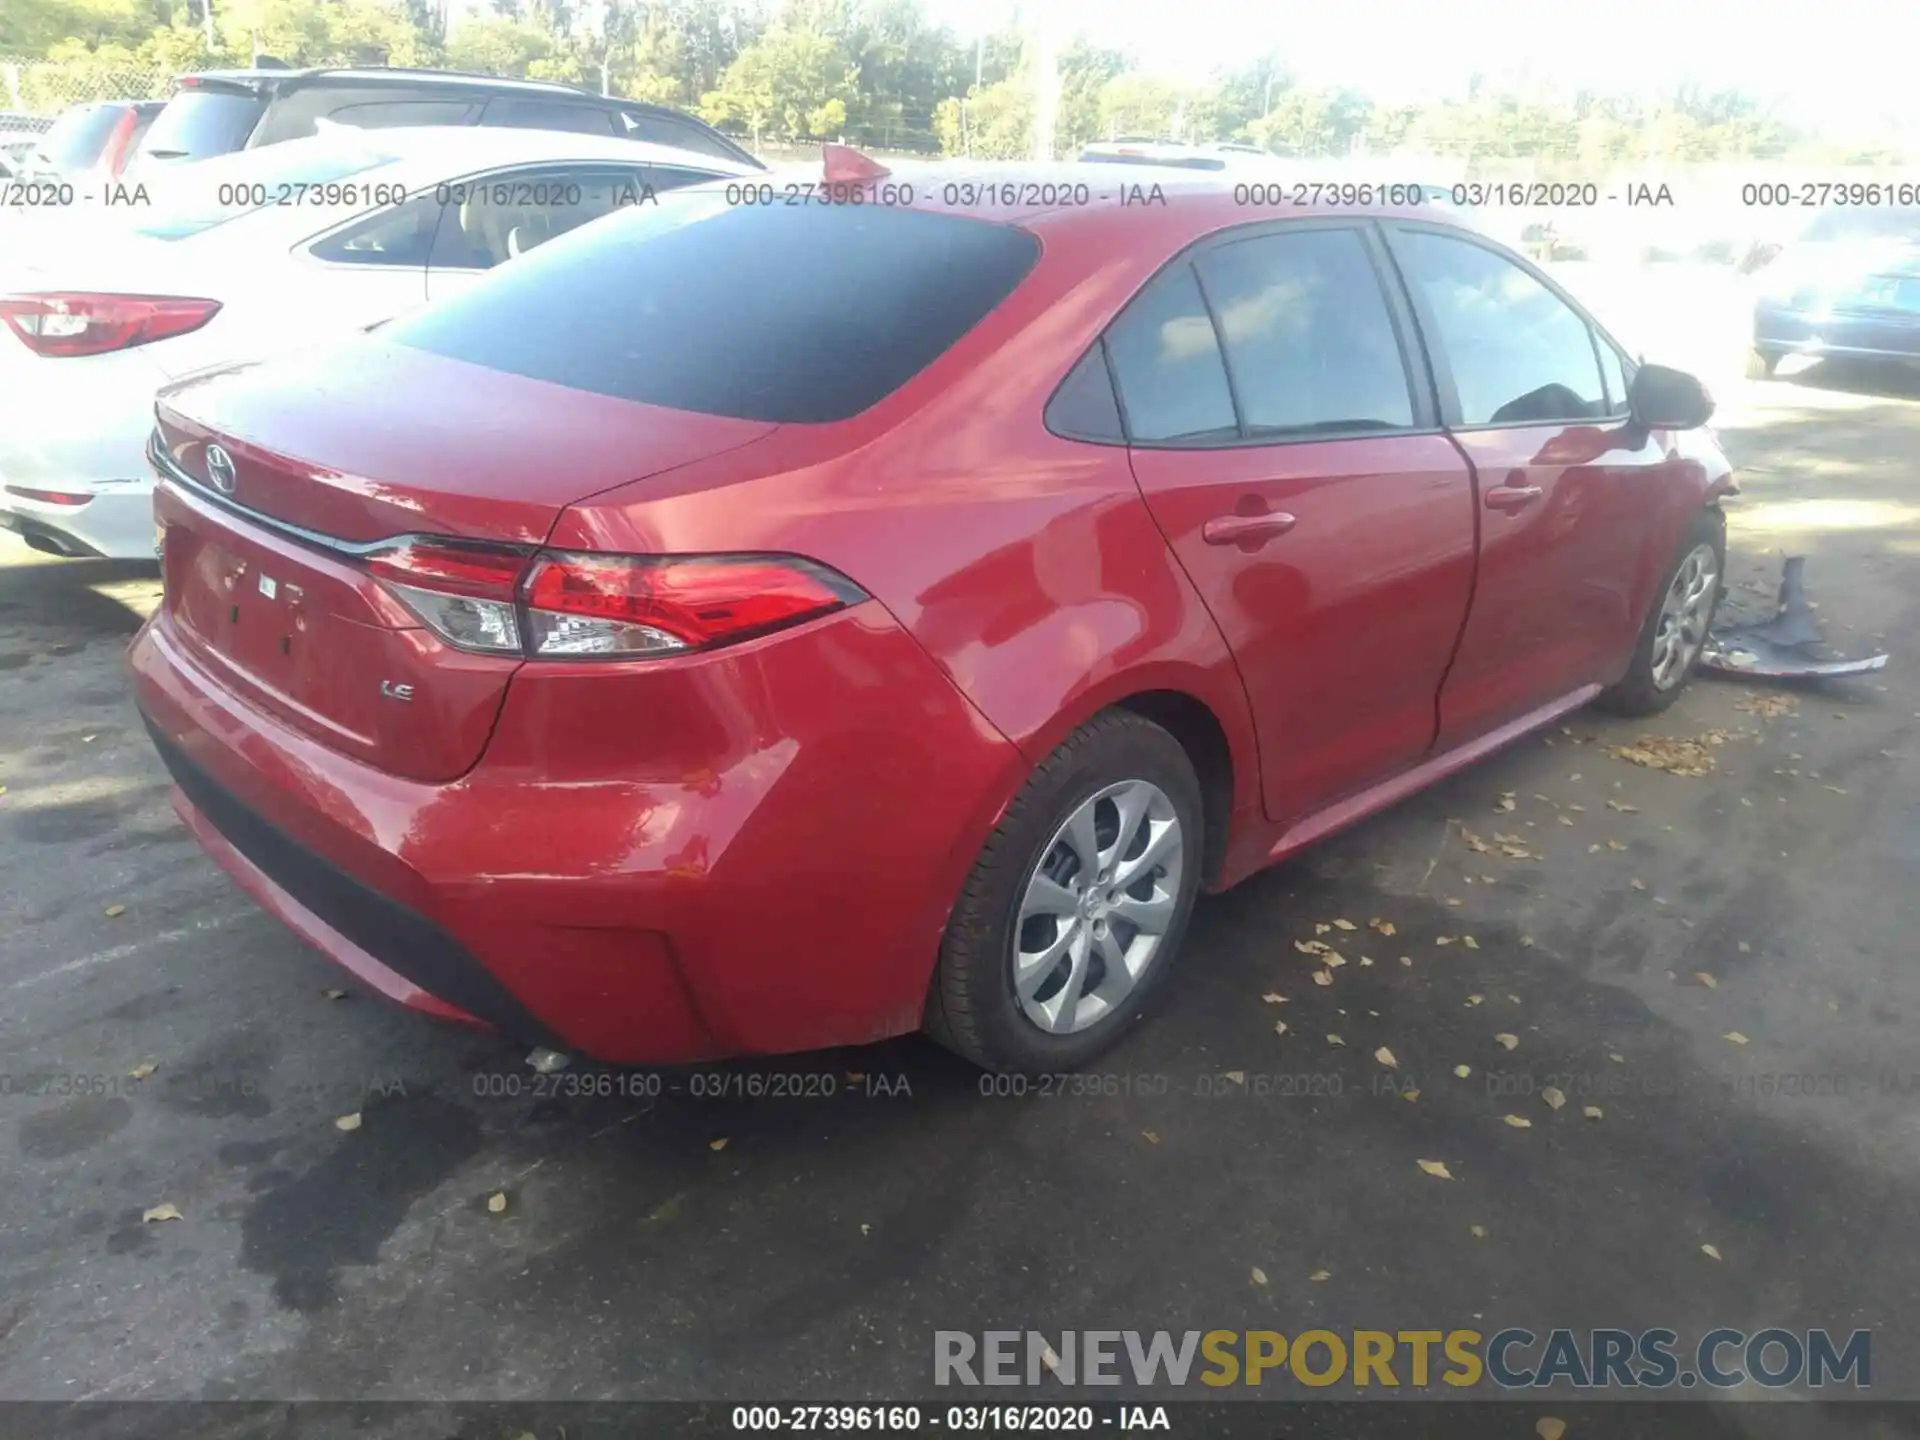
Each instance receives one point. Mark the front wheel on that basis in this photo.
(1074, 914)
(1676, 631)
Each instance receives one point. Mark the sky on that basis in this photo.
(1835, 64)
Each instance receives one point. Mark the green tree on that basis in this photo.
(794, 84)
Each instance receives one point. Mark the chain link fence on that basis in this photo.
(47, 87)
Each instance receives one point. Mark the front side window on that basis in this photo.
(1166, 361)
(1519, 354)
(1308, 336)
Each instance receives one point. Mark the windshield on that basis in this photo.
(1872, 223)
(679, 305)
(198, 123)
(193, 198)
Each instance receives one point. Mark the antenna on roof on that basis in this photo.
(844, 163)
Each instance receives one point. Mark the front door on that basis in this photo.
(1566, 492)
(1289, 456)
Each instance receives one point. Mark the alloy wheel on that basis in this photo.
(1684, 616)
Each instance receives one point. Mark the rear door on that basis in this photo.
(1567, 498)
(1288, 447)
(491, 219)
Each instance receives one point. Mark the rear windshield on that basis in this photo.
(198, 123)
(795, 315)
(78, 137)
(194, 198)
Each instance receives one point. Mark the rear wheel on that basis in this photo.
(1074, 914)
(1676, 631)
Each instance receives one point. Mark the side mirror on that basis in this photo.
(1662, 398)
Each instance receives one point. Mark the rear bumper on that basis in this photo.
(116, 524)
(774, 879)
(1888, 335)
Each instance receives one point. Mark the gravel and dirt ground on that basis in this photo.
(1722, 964)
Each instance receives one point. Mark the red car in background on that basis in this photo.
(747, 627)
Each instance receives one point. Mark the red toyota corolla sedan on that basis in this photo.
(744, 627)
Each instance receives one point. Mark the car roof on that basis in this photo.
(428, 153)
(1075, 194)
(449, 79)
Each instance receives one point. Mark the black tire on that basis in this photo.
(972, 1008)
(1637, 692)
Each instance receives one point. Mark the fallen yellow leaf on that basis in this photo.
(113, 910)
(1436, 1168)
(1518, 1122)
(1473, 1000)
(1239, 1077)
(1385, 927)
(1335, 1040)
(1710, 1252)
(1479, 1232)
(1616, 1057)
(333, 994)
(1463, 1071)
(1279, 1027)
(1344, 925)
(1512, 1042)
(1735, 1036)
(348, 1122)
(142, 1070)
(1321, 929)
(497, 1202)
(1385, 1057)
(1409, 1095)
(166, 1211)
(1333, 959)
(1151, 1137)
(1554, 1097)
(1469, 942)
(1272, 999)
(1323, 977)
(1592, 1112)
(1317, 1276)
(719, 1144)
(1705, 979)
(1549, 1427)
(1406, 960)
(1259, 1276)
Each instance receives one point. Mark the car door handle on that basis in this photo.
(1513, 497)
(1245, 529)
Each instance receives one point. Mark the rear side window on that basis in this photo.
(402, 112)
(1083, 407)
(794, 315)
(1167, 362)
(547, 115)
(1308, 335)
(680, 133)
(198, 123)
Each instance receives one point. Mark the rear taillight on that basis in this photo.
(50, 497)
(465, 593)
(64, 324)
(619, 605)
(564, 604)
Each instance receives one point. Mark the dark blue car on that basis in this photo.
(1850, 286)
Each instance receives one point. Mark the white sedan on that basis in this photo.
(251, 254)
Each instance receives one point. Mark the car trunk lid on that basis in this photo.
(267, 548)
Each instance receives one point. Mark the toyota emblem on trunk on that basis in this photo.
(220, 470)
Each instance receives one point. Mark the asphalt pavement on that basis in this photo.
(1720, 964)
